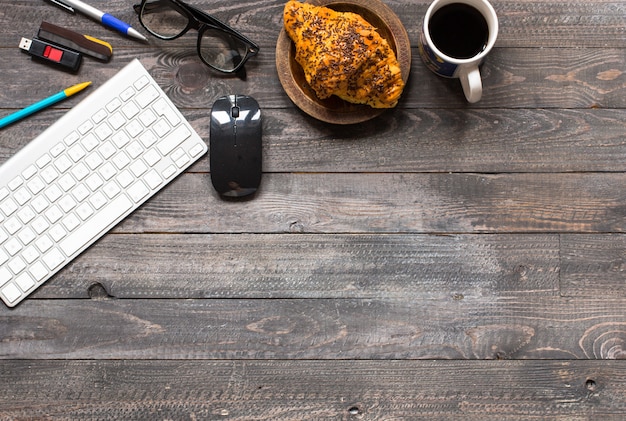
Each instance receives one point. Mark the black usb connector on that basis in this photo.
(51, 53)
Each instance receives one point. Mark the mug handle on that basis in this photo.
(472, 85)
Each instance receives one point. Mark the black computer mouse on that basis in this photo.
(235, 145)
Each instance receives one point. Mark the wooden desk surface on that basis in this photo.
(443, 261)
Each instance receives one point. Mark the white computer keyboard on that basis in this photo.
(85, 173)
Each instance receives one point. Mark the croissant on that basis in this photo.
(343, 55)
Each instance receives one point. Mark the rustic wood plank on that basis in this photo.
(415, 327)
(312, 266)
(392, 203)
(513, 78)
(523, 23)
(593, 265)
(313, 390)
(418, 140)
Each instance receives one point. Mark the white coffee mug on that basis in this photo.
(456, 36)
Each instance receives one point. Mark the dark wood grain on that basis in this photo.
(484, 141)
(393, 203)
(523, 23)
(313, 390)
(414, 327)
(593, 265)
(313, 266)
(586, 78)
(441, 261)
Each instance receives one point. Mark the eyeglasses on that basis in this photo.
(219, 46)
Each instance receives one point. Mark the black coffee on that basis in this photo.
(459, 30)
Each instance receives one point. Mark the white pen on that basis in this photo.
(104, 18)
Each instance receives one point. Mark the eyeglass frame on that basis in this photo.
(201, 21)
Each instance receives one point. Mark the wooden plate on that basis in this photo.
(334, 109)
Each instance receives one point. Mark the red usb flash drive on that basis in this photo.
(51, 53)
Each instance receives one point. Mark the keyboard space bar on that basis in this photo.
(90, 229)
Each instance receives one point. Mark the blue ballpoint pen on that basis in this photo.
(11, 118)
(104, 18)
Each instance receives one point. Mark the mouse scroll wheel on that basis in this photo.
(235, 112)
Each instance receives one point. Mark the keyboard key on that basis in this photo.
(76, 152)
(163, 109)
(107, 150)
(12, 225)
(138, 191)
(89, 142)
(161, 128)
(169, 171)
(63, 164)
(70, 222)
(71, 138)
(30, 254)
(111, 212)
(107, 171)
(100, 115)
(153, 179)
(9, 206)
(147, 96)
(141, 83)
(134, 149)
(11, 292)
(4, 192)
(117, 120)
(67, 203)
(97, 200)
(38, 271)
(113, 105)
(56, 233)
(174, 139)
(25, 214)
(67, 182)
(57, 149)
(111, 189)
(49, 174)
(15, 183)
(17, 265)
(36, 185)
(125, 178)
(53, 259)
(127, 94)
(196, 150)
(54, 214)
(40, 225)
(5, 275)
(44, 243)
(103, 131)
(80, 193)
(22, 196)
(84, 211)
(53, 193)
(13, 246)
(130, 110)
(43, 161)
(138, 168)
(26, 236)
(29, 172)
(25, 282)
(80, 171)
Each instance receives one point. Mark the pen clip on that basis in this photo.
(62, 5)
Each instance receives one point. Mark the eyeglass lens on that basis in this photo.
(216, 47)
(162, 18)
(221, 50)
